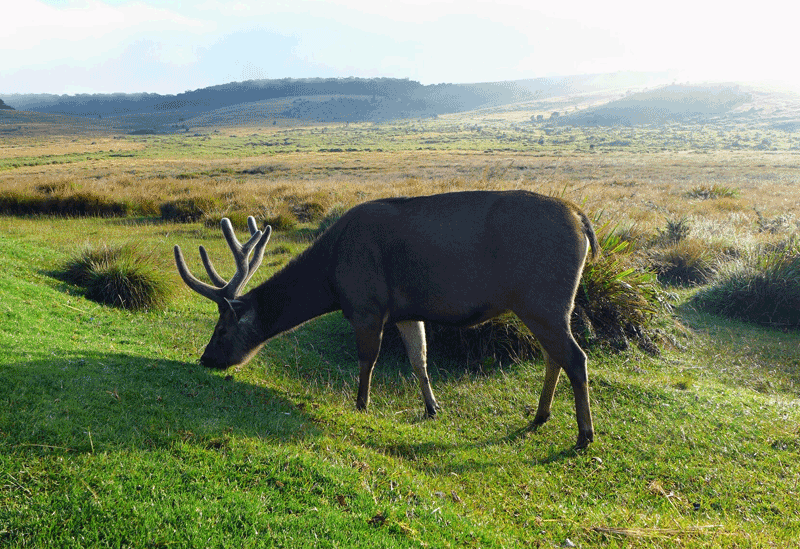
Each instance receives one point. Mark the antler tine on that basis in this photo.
(258, 251)
(206, 290)
(240, 256)
(244, 270)
(218, 281)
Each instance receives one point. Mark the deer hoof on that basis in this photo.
(431, 411)
(540, 420)
(584, 439)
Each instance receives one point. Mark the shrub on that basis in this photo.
(73, 205)
(214, 218)
(118, 276)
(282, 221)
(675, 231)
(764, 289)
(333, 215)
(706, 192)
(308, 211)
(687, 261)
(186, 210)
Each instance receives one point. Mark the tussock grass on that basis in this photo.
(675, 230)
(688, 261)
(282, 221)
(71, 204)
(332, 216)
(120, 276)
(763, 287)
(711, 192)
(617, 299)
(238, 218)
(186, 210)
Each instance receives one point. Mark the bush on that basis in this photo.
(688, 261)
(675, 231)
(118, 276)
(710, 192)
(333, 215)
(282, 221)
(616, 300)
(764, 289)
(73, 205)
(186, 210)
(214, 218)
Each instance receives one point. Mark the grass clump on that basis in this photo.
(214, 218)
(689, 261)
(764, 289)
(282, 221)
(120, 276)
(78, 204)
(675, 231)
(308, 212)
(332, 216)
(711, 192)
(617, 300)
(186, 210)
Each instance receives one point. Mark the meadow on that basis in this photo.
(112, 435)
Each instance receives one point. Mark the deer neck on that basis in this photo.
(296, 294)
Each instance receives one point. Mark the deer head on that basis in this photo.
(234, 338)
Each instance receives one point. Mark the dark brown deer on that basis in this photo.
(458, 258)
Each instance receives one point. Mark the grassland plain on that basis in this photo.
(111, 435)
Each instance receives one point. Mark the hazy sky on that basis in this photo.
(78, 46)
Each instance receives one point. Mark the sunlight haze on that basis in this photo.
(94, 46)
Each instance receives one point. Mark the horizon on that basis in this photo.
(143, 46)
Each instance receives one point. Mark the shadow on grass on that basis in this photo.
(91, 402)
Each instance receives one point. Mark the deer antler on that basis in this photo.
(222, 290)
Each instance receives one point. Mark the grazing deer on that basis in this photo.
(458, 258)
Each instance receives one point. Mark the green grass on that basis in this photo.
(111, 435)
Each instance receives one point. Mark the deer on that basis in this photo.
(458, 258)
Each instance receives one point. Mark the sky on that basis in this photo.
(168, 47)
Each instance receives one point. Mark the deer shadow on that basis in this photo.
(100, 401)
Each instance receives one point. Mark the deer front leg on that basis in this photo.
(413, 335)
(368, 345)
(551, 374)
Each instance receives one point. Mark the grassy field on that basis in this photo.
(112, 435)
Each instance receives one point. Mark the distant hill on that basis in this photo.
(665, 104)
(626, 98)
(346, 98)
(4, 106)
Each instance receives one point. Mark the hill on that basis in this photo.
(327, 99)
(599, 100)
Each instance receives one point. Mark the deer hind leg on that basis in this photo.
(563, 351)
(413, 335)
